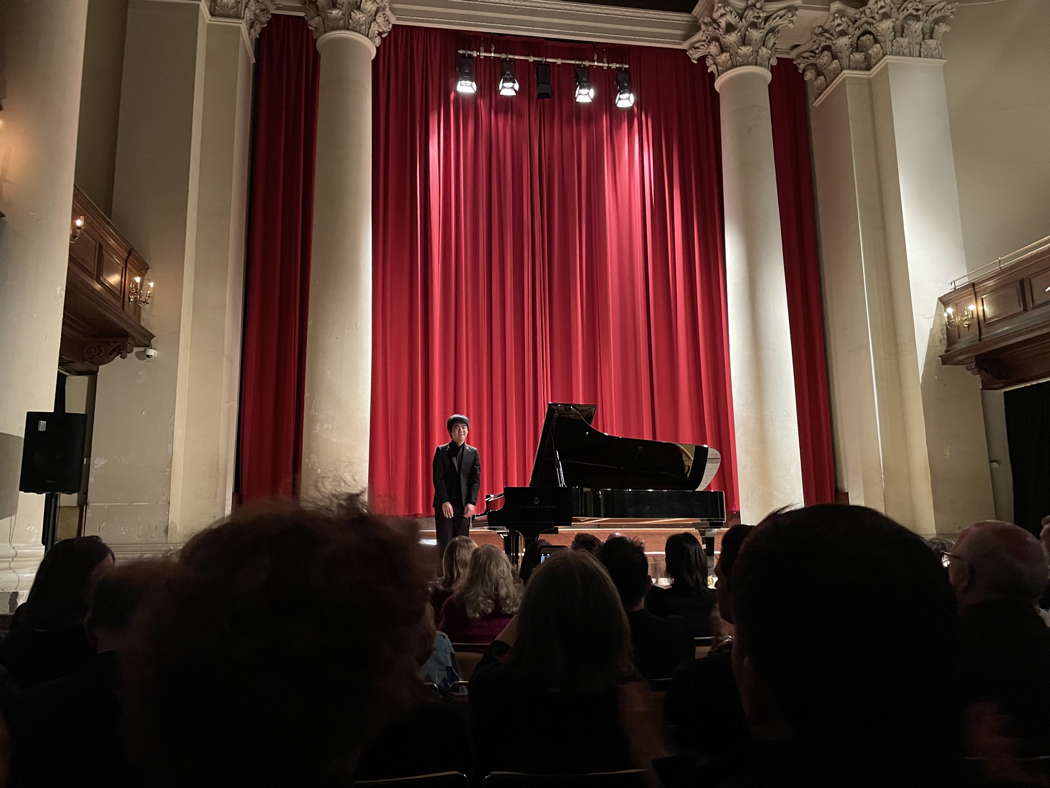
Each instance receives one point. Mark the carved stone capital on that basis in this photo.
(370, 18)
(856, 39)
(254, 13)
(740, 33)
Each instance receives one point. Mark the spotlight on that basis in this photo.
(508, 83)
(584, 89)
(466, 83)
(543, 81)
(624, 94)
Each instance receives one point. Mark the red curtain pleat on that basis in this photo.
(530, 250)
(277, 275)
(798, 225)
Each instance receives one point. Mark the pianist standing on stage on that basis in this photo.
(457, 479)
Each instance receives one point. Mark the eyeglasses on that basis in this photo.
(946, 558)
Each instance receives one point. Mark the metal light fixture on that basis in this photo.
(585, 91)
(139, 293)
(466, 84)
(624, 94)
(954, 320)
(78, 229)
(508, 83)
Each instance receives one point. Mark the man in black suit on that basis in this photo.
(457, 479)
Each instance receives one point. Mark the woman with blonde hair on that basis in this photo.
(484, 600)
(454, 565)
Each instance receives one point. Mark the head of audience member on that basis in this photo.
(456, 559)
(732, 541)
(284, 640)
(686, 562)
(489, 586)
(118, 594)
(62, 588)
(997, 560)
(624, 559)
(881, 601)
(587, 542)
(530, 558)
(572, 634)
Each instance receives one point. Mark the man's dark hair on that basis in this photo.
(686, 561)
(885, 614)
(119, 592)
(625, 561)
(61, 589)
(588, 542)
(454, 419)
(286, 639)
(732, 541)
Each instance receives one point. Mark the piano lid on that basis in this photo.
(572, 453)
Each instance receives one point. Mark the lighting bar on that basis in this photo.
(537, 59)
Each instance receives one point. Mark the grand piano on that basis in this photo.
(583, 477)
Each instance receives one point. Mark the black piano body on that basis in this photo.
(582, 475)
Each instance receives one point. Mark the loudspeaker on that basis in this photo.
(53, 452)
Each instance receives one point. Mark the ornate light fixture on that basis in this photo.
(78, 229)
(954, 320)
(139, 293)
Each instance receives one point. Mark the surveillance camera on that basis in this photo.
(149, 353)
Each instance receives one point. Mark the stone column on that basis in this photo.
(165, 439)
(738, 41)
(42, 42)
(339, 333)
(910, 431)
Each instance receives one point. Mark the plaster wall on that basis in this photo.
(100, 100)
(998, 88)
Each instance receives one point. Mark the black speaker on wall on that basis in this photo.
(53, 452)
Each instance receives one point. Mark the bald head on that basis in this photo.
(999, 561)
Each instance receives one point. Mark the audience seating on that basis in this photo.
(627, 778)
(436, 780)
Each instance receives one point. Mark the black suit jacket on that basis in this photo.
(469, 474)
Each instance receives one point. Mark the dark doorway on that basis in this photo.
(1028, 432)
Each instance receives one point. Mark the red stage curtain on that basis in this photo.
(277, 273)
(530, 250)
(791, 147)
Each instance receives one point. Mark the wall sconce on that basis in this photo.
(78, 228)
(139, 293)
(965, 320)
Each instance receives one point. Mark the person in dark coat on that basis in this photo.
(457, 481)
(688, 599)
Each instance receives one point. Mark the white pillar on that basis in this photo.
(764, 412)
(43, 54)
(164, 437)
(339, 332)
(892, 240)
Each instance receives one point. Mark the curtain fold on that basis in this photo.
(798, 227)
(530, 250)
(277, 273)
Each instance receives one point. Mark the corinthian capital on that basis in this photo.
(370, 18)
(740, 33)
(254, 13)
(857, 39)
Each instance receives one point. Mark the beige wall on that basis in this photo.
(100, 100)
(998, 81)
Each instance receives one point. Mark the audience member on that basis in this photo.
(82, 711)
(531, 558)
(997, 571)
(286, 639)
(47, 638)
(1044, 537)
(702, 704)
(588, 542)
(545, 696)
(858, 707)
(432, 736)
(659, 645)
(484, 601)
(688, 600)
(454, 565)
